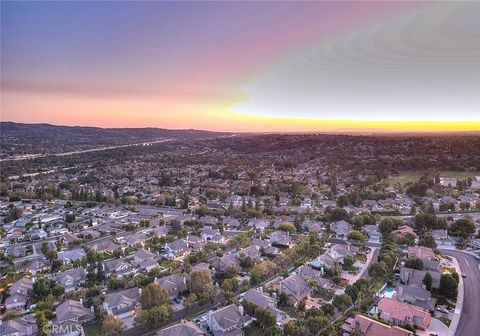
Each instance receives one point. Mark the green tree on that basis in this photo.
(264, 318)
(427, 281)
(428, 241)
(448, 286)
(200, 282)
(111, 326)
(155, 316)
(153, 295)
(342, 302)
(463, 228)
(415, 263)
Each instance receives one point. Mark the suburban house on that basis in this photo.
(421, 252)
(145, 260)
(338, 252)
(24, 286)
(341, 229)
(280, 238)
(69, 256)
(373, 233)
(295, 287)
(118, 267)
(417, 296)
(106, 246)
(252, 252)
(19, 293)
(413, 277)
(183, 328)
(259, 224)
(174, 284)
(226, 321)
(73, 311)
(365, 326)
(307, 273)
(208, 233)
(223, 263)
(403, 231)
(258, 298)
(400, 313)
(16, 302)
(177, 249)
(71, 279)
(123, 304)
(18, 327)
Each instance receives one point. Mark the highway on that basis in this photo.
(469, 323)
(36, 156)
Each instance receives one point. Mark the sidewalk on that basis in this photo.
(458, 307)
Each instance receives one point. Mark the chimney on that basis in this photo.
(92, 309)
(81, 301)
(240, 308)
(260, 289)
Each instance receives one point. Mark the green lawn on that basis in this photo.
(92, 329)
(252, 330)
(405, 177)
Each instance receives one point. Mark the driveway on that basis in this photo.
(469, 323)
(436, 327)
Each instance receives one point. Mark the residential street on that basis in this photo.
(470, 316)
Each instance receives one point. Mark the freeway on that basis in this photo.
(36, 156)
(469, 323)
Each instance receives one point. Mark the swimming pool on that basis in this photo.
(389, 292)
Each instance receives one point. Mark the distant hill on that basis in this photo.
(19, 139)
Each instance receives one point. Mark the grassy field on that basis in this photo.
(406, 177)
(92, 329)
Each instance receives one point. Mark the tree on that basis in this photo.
(352, 291)
(415, 263)
(301, 305)
(348, 262)
(358, 222)
(338, 214)
(58, 291)
(264, 318)
(111, 326)
(378, 270)
(153, 295)
(316, 323)
(463, 228)
(448, 286)
(342, 302)
(153, 317)
(342, 201)
(288, 227)
(428, 241)
(425, 221)
(357, 235)
(328, 309)
(427, 281)
(200, 282)
(189, 301)
(41, 289)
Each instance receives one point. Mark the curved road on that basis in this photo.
(469, 323)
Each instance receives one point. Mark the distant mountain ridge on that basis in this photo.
(20, 138)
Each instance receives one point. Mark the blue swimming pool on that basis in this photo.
(389, 292)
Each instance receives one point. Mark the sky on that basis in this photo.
(243, 66)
